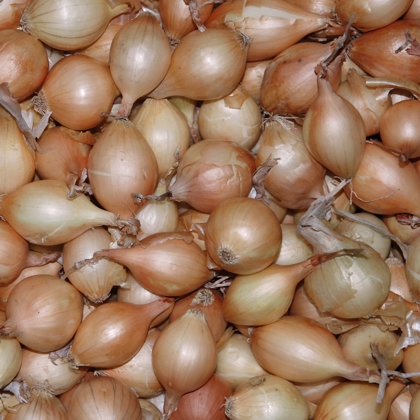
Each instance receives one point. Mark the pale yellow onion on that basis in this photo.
(63, 154)
(235, 361)
(17, 161)
(273, 25)
(184, 357)
(406, 233)
(43, 312)
(296, 179)
(11, 357)
(357, 343)
(411, 361)
(166, 264)
(94, 281)
(205, 65)
(313, 392)
(400, 407)
(321, 7)
(297, 349)
(205, 402)
(165, 129)
(132, 292)
(176, 17)
(105, 398)
(243, 235)
(235, 117)
(121, 163)
(113, 333)
(42, 405)
(139, 58)
(212, 171)
(412, 269)
(138, 372)
(362, 233)
(72, 25)
(274, 205)
(399, 283)
(37, 369)
(414, 412)
(334, 132)
(252, 79)
(413, 13)
(293, 248)
(41, 213)
(207, 301)
(25, 62)
(289, 85)
(370, 14)
(267, 397)
(187, 106)
(11, 12)
(355, 400)
(77, 90)
(365, 100)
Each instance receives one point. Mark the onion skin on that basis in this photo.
(11, 13)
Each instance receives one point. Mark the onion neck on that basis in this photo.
(171, 403)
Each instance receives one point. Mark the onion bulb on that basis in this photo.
(11, 12)
(43, 312)
(184, 357)
(11, 357)
(243, 235)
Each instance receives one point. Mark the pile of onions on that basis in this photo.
(215, 211)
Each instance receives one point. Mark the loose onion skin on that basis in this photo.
(77, 90)
(24, 63)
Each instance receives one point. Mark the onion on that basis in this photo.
(105, 398)
(297, 349)
(43, 313)
(273, 25)
(25, 62)
(415, 406)
(198, 62)
(37, 369)
(184, 357)
(252, 79)
(235, 117)
(412, 269)
(293, 248)
(77, 90)
(267, 397)
(69, 25)
(313, 392)
(138, 371)
(243, 235)
(41, 213)
(400, 407)
(406, 233)
(320, 7)
(113, 333)
(139, 59)
(11, 357)
(399, 283)
(11, 12)
(166, 264)
(411, 361)
(121, 163)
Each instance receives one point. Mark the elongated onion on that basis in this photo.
(72, 25)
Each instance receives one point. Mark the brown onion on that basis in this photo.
(11, 12)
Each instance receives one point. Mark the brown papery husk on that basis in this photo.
(273, 25)
(351, 400)
(296, 179)
(177, 18)
(43, 405)
(121, 163)
(391, 191)
(166, 264)
(11, 12)
(289, 85)
(63, 154)
(297, 349)
(17, 161)
(212, 171)
(205, 65)
(375, 53)
(334, 131)
(207, 301)
(370, 14)
(113, 333)
(399, 284)
(205, 402)
(138, 371)
(102, 397)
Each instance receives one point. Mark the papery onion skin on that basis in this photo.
(205, 65)
(41, 213)
(77, 90)
(212, 171)
(72, 25)
(106, 398)
(243, 235)
(43, 313)
(24, 62)
(11, 13)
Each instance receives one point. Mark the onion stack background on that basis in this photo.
(209, 209)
